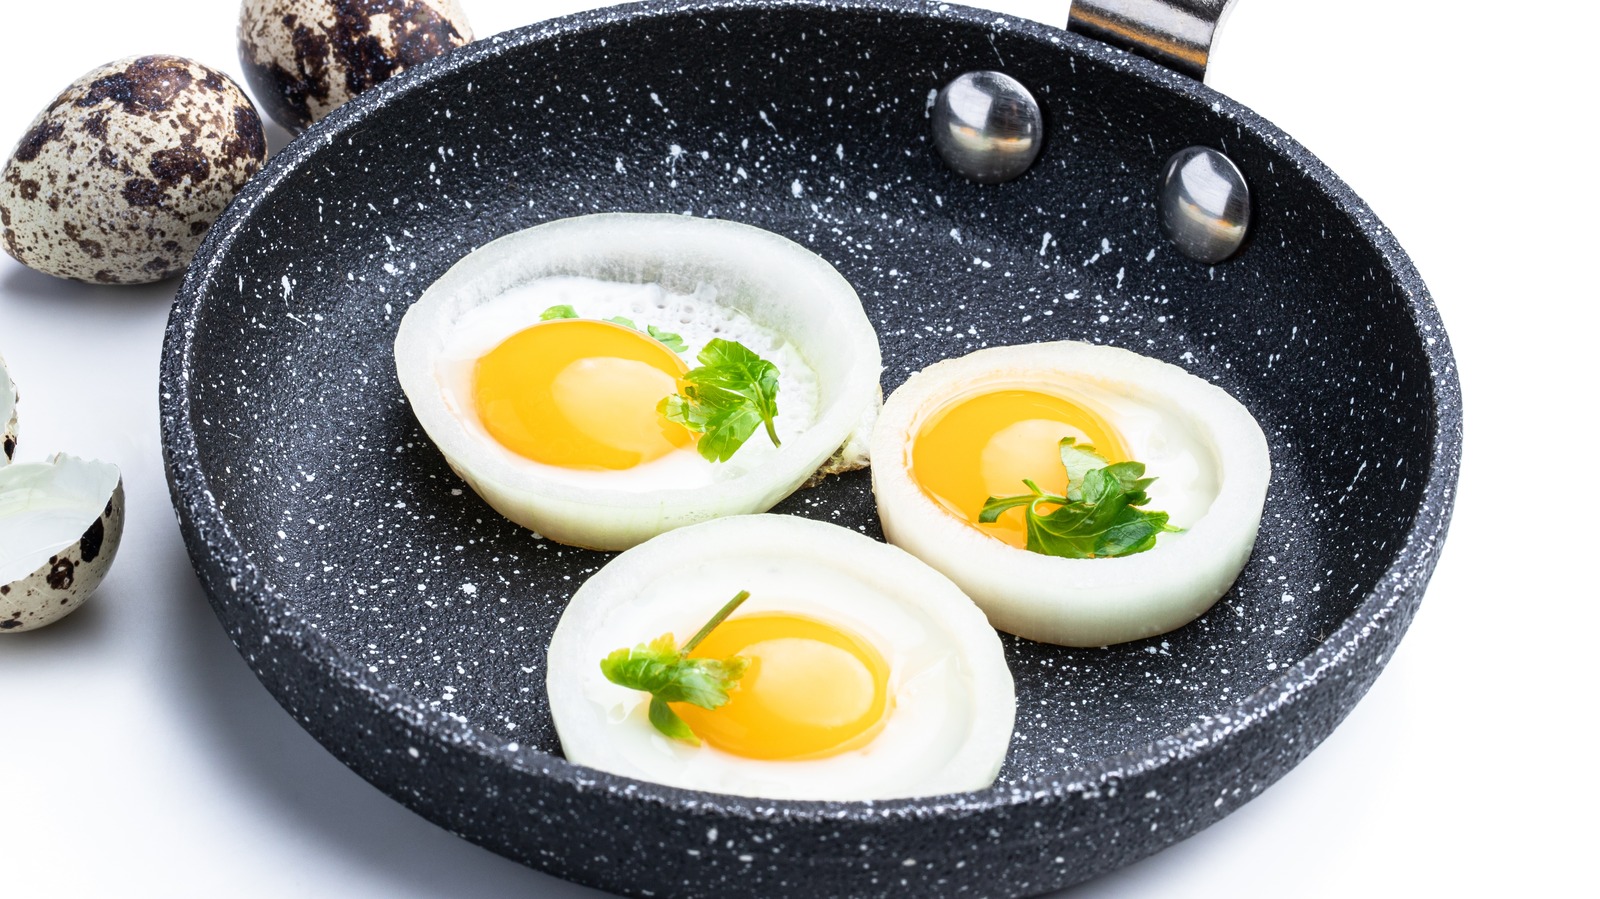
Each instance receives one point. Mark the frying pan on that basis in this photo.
(336, 546)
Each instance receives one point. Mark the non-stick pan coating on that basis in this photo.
(404, 623)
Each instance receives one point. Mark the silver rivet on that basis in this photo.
(987, 127)
(1204, 204)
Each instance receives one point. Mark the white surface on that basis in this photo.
(140, 756)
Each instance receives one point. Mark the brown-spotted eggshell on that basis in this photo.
(68, 577)
(119, 178)
(8, 415)
(304, 58)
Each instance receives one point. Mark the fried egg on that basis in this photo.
(871, 675)
(966, 429)
(555, 423)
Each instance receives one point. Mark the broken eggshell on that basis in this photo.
(60, 525)
(8, 415)
(305, 58)
(119, 178)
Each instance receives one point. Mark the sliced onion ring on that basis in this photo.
(1080, 602)
(776, 282)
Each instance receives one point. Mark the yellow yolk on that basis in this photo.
(580, 394)
(985, 446)
(811, 690)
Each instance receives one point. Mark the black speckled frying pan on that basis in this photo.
(335, 543)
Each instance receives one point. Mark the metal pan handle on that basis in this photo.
(1175, 33)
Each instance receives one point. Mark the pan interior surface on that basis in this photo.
(813, 125)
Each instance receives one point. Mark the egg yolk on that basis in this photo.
(579, 393)
(812, 689)
(986, 445)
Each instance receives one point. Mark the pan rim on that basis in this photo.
(209, 536)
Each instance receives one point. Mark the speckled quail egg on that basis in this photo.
(60, 525)
(868, 675)
(8, 415)
(992, 424)
(119, 178)
(558, 425)
(304, 58)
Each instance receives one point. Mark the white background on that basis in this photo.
(138, 754)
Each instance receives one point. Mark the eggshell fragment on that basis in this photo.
(8, 415)
(119, 178)
(305, 58)
(60, 526)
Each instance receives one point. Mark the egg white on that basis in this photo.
(953, 699)
(716, 278)
(1205, 449)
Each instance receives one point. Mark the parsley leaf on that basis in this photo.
(673, 342)
(667, 673)
(733, 392)
(1098, 518)
(1079, 461)
(667, 721)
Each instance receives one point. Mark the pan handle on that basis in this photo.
(1175, 33)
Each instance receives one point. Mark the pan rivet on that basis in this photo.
(1204, 204)
(987, 127)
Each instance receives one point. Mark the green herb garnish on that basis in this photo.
(733, 392)
(673, 341)
(667, 673)
(1097, 518)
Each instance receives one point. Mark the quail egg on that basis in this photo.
(557, 423)
(304, 58)
(866, 674)
(993, 424)
(119, 178)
